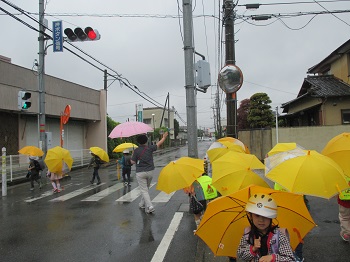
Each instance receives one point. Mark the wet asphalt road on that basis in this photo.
(35, 226)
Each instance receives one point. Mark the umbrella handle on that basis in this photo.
(298, 234)
(340, 192)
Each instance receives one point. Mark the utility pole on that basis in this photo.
(191, 109)
(231, 98)
(41, 79)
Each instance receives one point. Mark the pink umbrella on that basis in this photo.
(128, 129)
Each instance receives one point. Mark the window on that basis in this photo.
(147, 121)
(345, 116)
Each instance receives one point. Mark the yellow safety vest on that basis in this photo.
(209, 191)
(345, 194)
(278, 187)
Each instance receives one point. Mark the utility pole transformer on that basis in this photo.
(231, 98)
(191, 108)
(41, 80)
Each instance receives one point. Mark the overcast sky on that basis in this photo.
(142, 40)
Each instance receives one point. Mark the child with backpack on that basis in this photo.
(34, 172)
(126, 167)
(263, 241)
(95, 162)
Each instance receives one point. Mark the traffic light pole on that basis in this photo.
(231, 98)
(41, 79)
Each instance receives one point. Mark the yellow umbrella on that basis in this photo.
(235, 141)
(282, 147)
(338, 148)
(122, 147)
(100, 153)
(309, 174)
(31, 151)
(234, 171)
(58, 160)
(224, 220)
(216, 153)
(180, 174)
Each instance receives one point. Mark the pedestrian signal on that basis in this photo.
(88, 34)
(24, 100)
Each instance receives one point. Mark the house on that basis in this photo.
(157, 117)
(324, 97)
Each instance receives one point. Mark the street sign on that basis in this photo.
(139, 112)
(57, 36)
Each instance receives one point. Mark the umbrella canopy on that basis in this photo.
(216, 153)
(31, 151)
(309, 174)
(180, 174)
(224, 220)
(100, 153)
(282, 147)
(122, 147)
(234, 171)
(338, 149)
(58, 160)
(128, 129)
(234, 141)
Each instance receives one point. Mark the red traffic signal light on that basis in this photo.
(78, 34)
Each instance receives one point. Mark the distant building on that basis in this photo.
(324, 97)
(87, 123)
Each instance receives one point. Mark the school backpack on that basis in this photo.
(127, 161)
(275, 240)
(37, 165)
(98, 161)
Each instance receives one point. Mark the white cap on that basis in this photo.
(126, 151)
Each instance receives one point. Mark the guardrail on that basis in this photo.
(17, 165)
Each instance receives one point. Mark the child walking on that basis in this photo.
(258, 243)
(55, 181)
(126, 167)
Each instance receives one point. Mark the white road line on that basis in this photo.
(45, 194)
(163, 197)
(104, 193)
(75, 193)
(132, 195)
(163, 247)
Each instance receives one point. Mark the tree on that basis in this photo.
(242, 114)
(111, 143)
(176, 128)
(260, 114)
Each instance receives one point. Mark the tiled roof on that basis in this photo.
(321, 86)
(324, 86)
(325, 64)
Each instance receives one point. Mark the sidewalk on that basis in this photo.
(204, 254)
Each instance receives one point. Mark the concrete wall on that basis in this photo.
(261, 141)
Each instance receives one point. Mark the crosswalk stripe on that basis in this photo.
(45, 194)
(75, 193)
(132, 195)
(104, 193)
(162, 197)
(163, 247)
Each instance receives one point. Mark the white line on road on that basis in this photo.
(75, 193)
(159, 255)
(45, 194)
(104, 193)
(162, 197)
(132, 195)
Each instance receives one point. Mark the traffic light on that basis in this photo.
(24, 100)
(79, 34)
